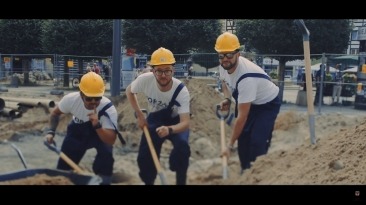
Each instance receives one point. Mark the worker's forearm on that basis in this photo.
(108, 136)
(132, 99)
(182, 125)
(54, 120)
(238, 128)
(225, 91)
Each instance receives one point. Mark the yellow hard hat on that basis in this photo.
(227, 42)
(162, 56)
(92, 85)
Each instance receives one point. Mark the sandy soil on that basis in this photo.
(39, 179)
(336, 158)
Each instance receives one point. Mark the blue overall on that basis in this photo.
(80, 138)
(179, 156)
(256, 136)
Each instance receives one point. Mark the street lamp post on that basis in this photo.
(271, 63)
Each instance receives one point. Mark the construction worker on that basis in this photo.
(93, 125)
(256, 97)
(337, 86)
(96, 68)
(88, 68)
(168, 105)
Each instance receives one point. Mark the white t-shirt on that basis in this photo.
(251, 89)
(157, 100)
(73, 103)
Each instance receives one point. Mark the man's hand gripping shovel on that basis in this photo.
(222, 116)
(153, 153)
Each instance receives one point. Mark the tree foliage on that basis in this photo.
(277, 36)
(20, 36)
(282, 37)
(86, 37)
(178, 35)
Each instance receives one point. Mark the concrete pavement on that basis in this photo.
(290, 96)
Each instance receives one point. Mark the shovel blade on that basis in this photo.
(163, 178)
(20, 155)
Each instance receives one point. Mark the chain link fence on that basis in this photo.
(61, 70)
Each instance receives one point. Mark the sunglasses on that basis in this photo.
(89, 99)
(166, 72)
(228, 55)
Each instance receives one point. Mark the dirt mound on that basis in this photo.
(40, 179)
(334, 160)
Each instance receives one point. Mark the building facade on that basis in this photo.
(354, 43)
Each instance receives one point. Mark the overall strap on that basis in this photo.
(176, 92)
(255, 75)
(103, 112)
(236, 92)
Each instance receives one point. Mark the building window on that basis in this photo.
(354, 35)
(354, 51)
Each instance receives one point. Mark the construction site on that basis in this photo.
(335, 159)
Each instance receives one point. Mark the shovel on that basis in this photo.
(222, 118)
(20, 155)
(64, 157)
(309, 91)
(153, 153)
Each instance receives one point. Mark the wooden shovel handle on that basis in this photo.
(223, 148)
(71, 163)
(152, 150)
(64, 157)
(155, 157)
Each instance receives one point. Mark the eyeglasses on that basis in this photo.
(166, 72)
(89, 99)
(228, 55)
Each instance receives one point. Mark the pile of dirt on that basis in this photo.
(337, 159)
(40, 179)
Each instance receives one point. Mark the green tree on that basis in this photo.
(21, 36)
(178, 35)
(281, 37)
(86, 37)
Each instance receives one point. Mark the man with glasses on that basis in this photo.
(93, 125)
(168, 104)
(256, 101)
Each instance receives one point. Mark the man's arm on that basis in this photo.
(108, 136)
(243, 112)
(183, 124)
(55, 118)
(225, 90)
(164, 131)
(132, 98)
(225, 104)
(53, 123)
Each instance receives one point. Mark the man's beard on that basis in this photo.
(165, 84)
(231, 65)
